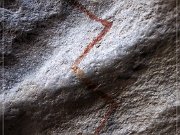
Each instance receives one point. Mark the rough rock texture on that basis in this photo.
(135, 65)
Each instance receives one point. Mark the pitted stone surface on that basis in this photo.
(135, 63)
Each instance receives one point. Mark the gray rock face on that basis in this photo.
(135, 66)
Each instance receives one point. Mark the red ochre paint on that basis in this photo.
(80, 73)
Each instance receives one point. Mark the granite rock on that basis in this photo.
(136, 62)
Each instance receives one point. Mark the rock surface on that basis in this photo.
(136, 64)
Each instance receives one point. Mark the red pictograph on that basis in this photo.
(80, 73)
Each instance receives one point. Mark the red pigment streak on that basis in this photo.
(80, 73)
(91, 15)
(112, 108)
(92, 87)
(93, 43)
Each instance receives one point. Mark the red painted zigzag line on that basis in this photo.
(80, 73)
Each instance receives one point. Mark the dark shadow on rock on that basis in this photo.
(50, 111)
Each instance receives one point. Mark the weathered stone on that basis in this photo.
(136, 64)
